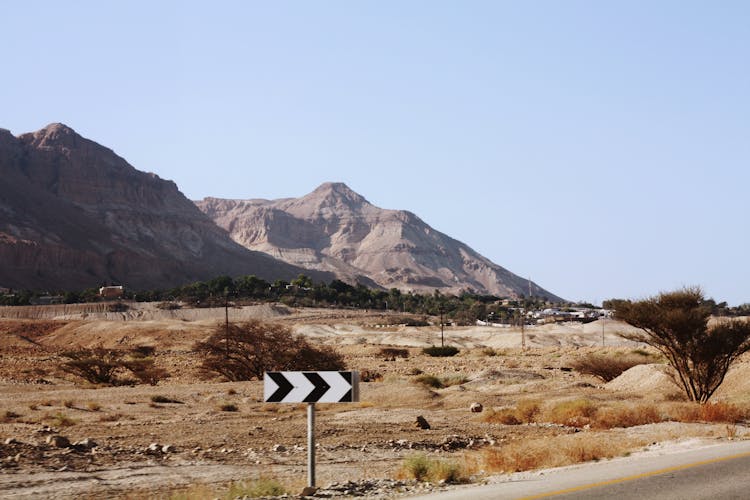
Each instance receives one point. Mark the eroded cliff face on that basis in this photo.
(73, 214)
(335, 229)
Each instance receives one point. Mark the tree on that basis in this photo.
(248, 349)
(676, 323)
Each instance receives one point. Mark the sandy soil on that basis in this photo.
(368, 439)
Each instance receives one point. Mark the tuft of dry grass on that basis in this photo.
(93, 406)
(228, 407)
(60, 419)
(441, 382)
(557, 451)
(624, 415)
(574, 412)
(110, 417)
(720, 411)
(505, 416)
(423, 468)
(8, 416)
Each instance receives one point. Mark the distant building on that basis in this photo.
(111, 292)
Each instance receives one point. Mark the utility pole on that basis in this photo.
(442, 336)
(226, 321)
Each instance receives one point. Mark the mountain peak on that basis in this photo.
(52, 134)
(331, 194)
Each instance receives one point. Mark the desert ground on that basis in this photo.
(61, 437)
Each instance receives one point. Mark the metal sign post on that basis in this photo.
(311, 444)
(311, 388)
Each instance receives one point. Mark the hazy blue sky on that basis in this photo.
(600, 148)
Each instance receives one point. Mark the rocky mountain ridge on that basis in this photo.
(73, 215)
(336, 229)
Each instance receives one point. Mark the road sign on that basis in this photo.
(311, 387)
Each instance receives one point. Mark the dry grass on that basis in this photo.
(441, 382)
(577, 413)
(422, 468)
(557, 451)
(92, 406)
(574, 412)
(710, 412)
(626, 415)
(8, 416)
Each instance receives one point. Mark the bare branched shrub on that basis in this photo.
(676, 323)
(608, 367)
(111, 366)
(244, 351)
(97, 366)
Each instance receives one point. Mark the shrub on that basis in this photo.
(505, 416)
(8, 416)
(441, 351)
(429, 381)
(228, 407)
(145, 370)
(370, 376)
(676, 324)
(244, 351)
(527, 410)
(108, 366)
(164, 399)
(60, 419)
(97, 366)
(441, 382)
(422, 468)
(607, 367)
(416, 467)
(556, 451)
(255, 489)
(575, 413)
(92, 406)
(709, 412)
(626, 416)
(393, 352)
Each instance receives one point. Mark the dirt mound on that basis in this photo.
(736, 384)
(645, 379)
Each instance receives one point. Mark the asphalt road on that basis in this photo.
(716, 472)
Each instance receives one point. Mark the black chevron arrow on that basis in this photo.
(321, 387)
(285, 387)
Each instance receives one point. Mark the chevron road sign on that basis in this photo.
(311, 387)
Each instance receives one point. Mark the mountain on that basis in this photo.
(335, 229)
(74, 215)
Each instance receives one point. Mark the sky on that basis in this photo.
(600, 149)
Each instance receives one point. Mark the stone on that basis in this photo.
(308, 491)
(154, 448)
(422, 423)
(476, 407)
(58, 441)
(12, 441)
(280, 448)
(167, 448)
(86, 443)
